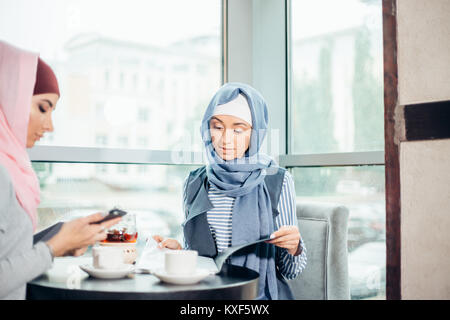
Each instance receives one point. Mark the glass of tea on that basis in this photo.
(123, 232)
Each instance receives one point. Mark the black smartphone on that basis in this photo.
(113, 213)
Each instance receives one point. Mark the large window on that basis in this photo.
(337, 76)
(133, 74)
(336, 134)
(361, 190)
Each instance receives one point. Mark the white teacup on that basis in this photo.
(107, 257)
(129, 250)
(180, 262)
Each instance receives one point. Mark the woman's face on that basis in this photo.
(230, 136)
(42, 106)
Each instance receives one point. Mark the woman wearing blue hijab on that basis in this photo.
(242, 195)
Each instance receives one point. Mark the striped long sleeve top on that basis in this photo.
(220, 224)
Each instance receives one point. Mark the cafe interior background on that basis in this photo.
(136, 77)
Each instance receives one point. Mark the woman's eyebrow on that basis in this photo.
(240, 124)
(234, 124)
(49, 102)
(214, 118)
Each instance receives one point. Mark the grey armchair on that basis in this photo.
(324, 231)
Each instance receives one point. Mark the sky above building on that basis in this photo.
(154, 22)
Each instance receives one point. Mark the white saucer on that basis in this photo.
(199, 275)
(107, 273)
(118, 244)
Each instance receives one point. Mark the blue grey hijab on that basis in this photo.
(244, 179)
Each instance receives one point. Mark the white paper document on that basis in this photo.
(152, 257)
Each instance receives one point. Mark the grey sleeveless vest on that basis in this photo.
(196, 228)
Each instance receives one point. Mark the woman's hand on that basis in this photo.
(76, 252)
(287, 237)
(76, 235)
(167, 243)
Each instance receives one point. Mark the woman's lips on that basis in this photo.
(226, 150)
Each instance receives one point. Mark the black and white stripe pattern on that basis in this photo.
(220, 218)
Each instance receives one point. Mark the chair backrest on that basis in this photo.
(323, 228)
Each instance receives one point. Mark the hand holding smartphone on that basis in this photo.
(113, 213)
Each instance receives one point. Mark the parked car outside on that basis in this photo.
(367, 270)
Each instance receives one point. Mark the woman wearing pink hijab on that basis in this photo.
(28, 95)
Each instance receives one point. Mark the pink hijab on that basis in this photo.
(17, 80)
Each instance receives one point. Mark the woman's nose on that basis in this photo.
(48, 126)
(228, 136)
